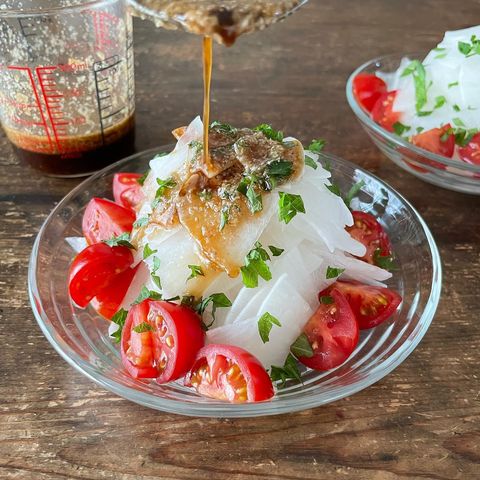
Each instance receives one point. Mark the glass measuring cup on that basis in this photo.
(67, 83)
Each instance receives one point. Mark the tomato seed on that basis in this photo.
(170, 341)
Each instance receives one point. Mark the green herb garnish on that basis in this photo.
(276, 252)
(289, 205)
(317, 145)
(255, 266)
(195, 271)
(147, 251)
(417, 70)
(141, 222)
(269, 132)
(470, 49)
(146, 294)
(122, 240)
(399, 128)
(301, 347)
(142, 179)
(143, 327)
(310, 162)
(353, 192)
(265, 324)
(333, 272)
(289, 371)
(387, 262)
(119, 318)
(326, 300)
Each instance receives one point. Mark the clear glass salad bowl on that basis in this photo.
(430, 167)
(81, 336)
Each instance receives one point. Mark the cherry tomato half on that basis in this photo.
(382, 111)
(166, 347)
(371, 234)
(108, 301)
(471, 152)
(332, 332)
(127, 192)
(229, 373)
(93, 269)
(104, 219)
(371, 305)
(436, 140)
(367, 89)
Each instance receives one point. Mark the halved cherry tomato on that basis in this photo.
(371, 234)
(126, 189)
(371, 305)
(167, 349)
(471, 152)
(382, 111)
(108, 301)
(332, 332)
(367, 89)
(436, 140)
(93, 269)
(225, 372)
(104, 219)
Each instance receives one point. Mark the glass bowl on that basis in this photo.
(430, 167)
(81, 336)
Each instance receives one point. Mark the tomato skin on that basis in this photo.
(93, 269)
(368, 231)
(333, 333)
(471, 152)
(382, 111)
(219, 361)
(107, 302)
(367, 89)
(127, 192)
(431, 140)
(370, 305)
(104, 219)
(168, 350)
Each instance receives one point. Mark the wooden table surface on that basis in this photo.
(422, 421)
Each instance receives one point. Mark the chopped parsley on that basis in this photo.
(333, 272)
(146, 294)
(276, 252)
(309, 161)
(458, 122)
(277, 172)
(335, 189)
(387, 262)
(301, 347)
(147, 251)
(217, 300)
(289, 371)
(289, 205)
(317, 145)
(440, 101)
(195, 271)
(247, 187)
(453, 84)
(326, 300)
(205, 194)
(222, 127)
(119, 318)
(163, 186)
(141, 180)
(141, 222)
(399, 128)
(143, 327)
(470, 49)
(353, 192)
(155, 277)
(122, 240)
(265, 324)
(417, 70)
(256, 266)
(269, 132)
(456, 108)
(224, 216)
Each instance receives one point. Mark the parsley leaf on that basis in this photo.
(326, 300)
(417, 70)
(147, 251)
(255, 203)
(458, 122)
(470, 49)
(255, 266)
(146, 294)
(119, 318)
(218, 300)
(265, 324)
(310, 162)
(289, 205)
(287, 372)
(122, 240)
(399, 128)
(383, 261)
(301, 347)
(222, 127)
(353, 192)
(335, 189)
(453, 84)
(155, 277)
(279, 169)
(142, 179)
(317, 145)
(276, 252)
(143, 327)
(224, 216)
(140, 222)
(195, 271)
(333, 272)
(269, 132)
(163, 186)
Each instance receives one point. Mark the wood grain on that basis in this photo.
(422, 421)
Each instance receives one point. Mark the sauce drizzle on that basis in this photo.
(207, 81)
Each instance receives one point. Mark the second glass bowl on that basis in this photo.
(430, 167)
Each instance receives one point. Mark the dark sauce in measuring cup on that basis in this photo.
(77, 155)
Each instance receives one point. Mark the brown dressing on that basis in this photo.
(207, 83)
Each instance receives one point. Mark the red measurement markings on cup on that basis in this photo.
(31, 80)
(54, 101)
(103, 23)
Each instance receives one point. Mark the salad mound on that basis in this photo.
(434, 103)
(250, 252)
